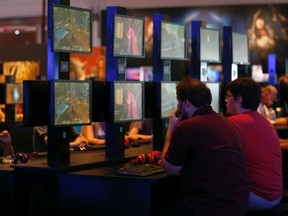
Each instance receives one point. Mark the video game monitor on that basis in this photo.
(210, 45)
(72, 29)
(128, 36)
(215, 88)
(240, 48)
(127, 101)
(71, 102)
(173, 41)
(168, 99)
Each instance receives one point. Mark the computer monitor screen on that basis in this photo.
(240, 49)
(128, 36)
(14, 93)
(127, 101)
(168, 98)
(210, 45)
(215, 89)
(173, 41)
(72, 29)
(71, 102)
(36, 103)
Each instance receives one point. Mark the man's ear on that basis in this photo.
(187, 103)
(239, 99)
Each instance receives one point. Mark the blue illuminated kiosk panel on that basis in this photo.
(115, 67)
(58, 148)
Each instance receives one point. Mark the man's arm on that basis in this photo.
(170, 168)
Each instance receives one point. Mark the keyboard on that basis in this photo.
(139, 170)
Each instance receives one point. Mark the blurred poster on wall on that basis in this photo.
(89, 66)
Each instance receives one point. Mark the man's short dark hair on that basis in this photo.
(196, 92)
(248, 89)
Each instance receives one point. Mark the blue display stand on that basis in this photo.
(227, 54)
(58, 148)
(195, 63)
(161, 72)
(115, 70)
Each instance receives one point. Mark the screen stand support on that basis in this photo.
(58, 148)
(121, 68)
(204, 72)
(166, 70)
(115, 136)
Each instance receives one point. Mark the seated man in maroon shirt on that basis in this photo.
(206, 150)
(260, 143)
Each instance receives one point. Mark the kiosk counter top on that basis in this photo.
(82, 159)
(99, 191)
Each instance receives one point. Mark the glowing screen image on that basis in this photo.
(240, 50)
(72, 103)
(128, 101)
(168, 98)
(72, 29)
(209, 45)
(128, 36)
(14, 93)
(173, 41)
(215, 91)
(214, 73)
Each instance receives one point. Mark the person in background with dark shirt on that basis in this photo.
(206, 151)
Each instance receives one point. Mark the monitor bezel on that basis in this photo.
(161, 41)
(56, 49)
(112, 102)
(52, 102)
(218, 60)
(129, 55)
(235, 61)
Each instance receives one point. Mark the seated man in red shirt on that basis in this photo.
(260, 143)
(206, 150)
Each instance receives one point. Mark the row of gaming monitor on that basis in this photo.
(75, 102)
(72, 32)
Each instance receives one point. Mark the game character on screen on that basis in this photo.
(208, 158)
(132, 40)
(132, 109)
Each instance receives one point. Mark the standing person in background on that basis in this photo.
(260, 143)
(265, 106)
(206, 150)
